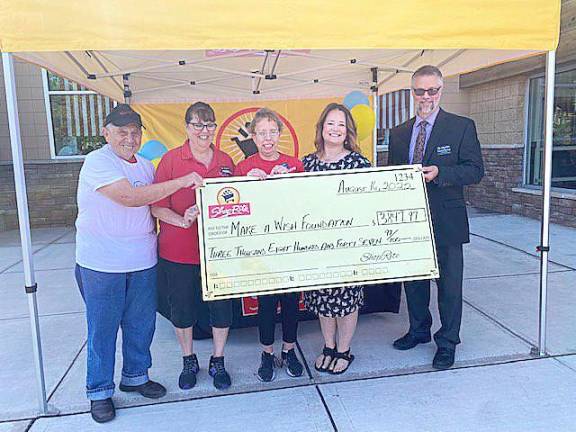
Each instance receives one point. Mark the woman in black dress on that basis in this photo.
(337, 308)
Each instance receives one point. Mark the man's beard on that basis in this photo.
(426, 108)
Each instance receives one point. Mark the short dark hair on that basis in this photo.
(202, 110)
(265, 113)
(427, 70)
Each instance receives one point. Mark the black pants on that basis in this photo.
(267, 317)
(450, 261)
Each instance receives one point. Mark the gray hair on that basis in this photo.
(265, 113)
(427, 70)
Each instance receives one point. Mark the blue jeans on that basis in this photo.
(114, 300)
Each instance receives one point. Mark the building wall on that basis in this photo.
(498, 108)
(32, 114)
(51, 188)
(51, 185)
(453, 99)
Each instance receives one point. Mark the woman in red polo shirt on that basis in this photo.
(266, 128)
(179, 287)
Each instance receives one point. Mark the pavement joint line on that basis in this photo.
(559, 360)
(308, 371)
(36, 251)
(311, 377)
(30, 425)
(521, 250)
(569, 354)
(311, 384)
(521, 359)
(68, 369)
(516, 274)
(10, 271)
(39, 270)
(326, 408)
(167, 402)
(20, 317)
(498, 323)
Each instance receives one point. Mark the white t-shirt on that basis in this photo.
(110, 237)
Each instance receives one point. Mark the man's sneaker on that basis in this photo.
(217, 371)
(190, 368)
(102, 411)
(266, 372)
(293, 366)
(149, 389)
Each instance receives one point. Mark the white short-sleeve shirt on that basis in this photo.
(110, 237)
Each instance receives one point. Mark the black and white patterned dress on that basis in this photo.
(335, 302)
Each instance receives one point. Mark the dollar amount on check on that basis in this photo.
(314, 230)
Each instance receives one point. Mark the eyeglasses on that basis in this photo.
(265, 134)
(433, 91)
(200, 126)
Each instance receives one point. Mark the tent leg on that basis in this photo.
(24, 224)
(375, 133)
(375, 105)
(544, 247)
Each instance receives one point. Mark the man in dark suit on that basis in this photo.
(448, 148)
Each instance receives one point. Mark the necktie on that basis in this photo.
(418, 155)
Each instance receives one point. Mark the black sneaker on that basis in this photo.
(293, 366)
(149, 389)
(190, 368)
(217, 371)
(266, 372)
(102, 411)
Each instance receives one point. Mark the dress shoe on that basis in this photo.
(444, 358)
(150, 389)
(102, 411)
(409, 341)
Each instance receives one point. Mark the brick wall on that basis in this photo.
(503, 172)
(562, 210)
(501, 189)
(51, 194)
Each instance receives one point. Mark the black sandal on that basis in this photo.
(340, 356)
(326, 352)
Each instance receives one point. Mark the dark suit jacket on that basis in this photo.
(454, 148)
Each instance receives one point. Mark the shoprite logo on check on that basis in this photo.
(229, 204)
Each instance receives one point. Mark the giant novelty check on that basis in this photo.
(310, 231)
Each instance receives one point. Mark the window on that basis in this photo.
(76, 116)
(564, 132)
(394, 108)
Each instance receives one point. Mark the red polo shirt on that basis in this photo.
(181, 244)
(255, 161)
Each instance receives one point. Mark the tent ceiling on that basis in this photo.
(226, 75)
(165, 49)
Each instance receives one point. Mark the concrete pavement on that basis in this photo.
(496, 383)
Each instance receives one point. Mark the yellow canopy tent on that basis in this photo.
(144, 51)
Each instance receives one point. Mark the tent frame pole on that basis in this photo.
(24, 225)
(376, 107)
(544, 247)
